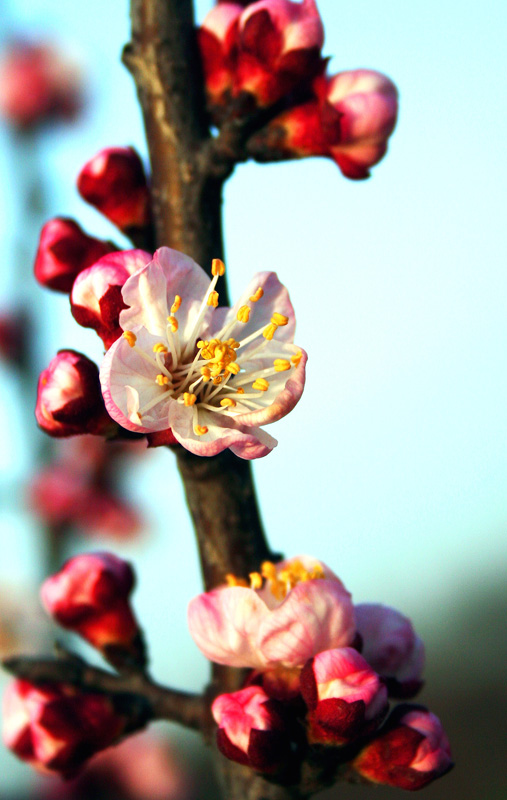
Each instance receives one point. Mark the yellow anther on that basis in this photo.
(130, 337)
(243, 314)
(233, 368)
(317, 573)
(279, 319)
(217, 267)
(189, 398)
(200, 344)
(200, 430)
(217, 381)
(270, 330)
(261, 385)
(281, 364)
(173, 323)
(227, 402)
(233, 581)
(255, 580)
(233, 343)
(297, 358)
(177, 303)
(159, 348)
(213, 299)
(257, 295)
(162, 380)
(268, 570)
(206, 373)
(240, 390)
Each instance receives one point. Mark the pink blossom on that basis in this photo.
(96, 300)
(56, 729)
(391, 647)
(64, 251)
(69, 401)
(410, 752)
(115, 183)
(179, 365)
(300, 610)
(251, 729)
(345, 697)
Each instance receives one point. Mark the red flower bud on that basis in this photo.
(90, 597)
(69, 400)
(96, 300)
(115, 183)
(345, 697)
(64, 251)
(251, 729)
(217, 38)
(13, 336)
(55, 728)
(36, 85)
(411, 750)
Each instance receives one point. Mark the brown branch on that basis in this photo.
(187, 709)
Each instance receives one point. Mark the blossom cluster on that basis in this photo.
(267, 58)
(321, 665)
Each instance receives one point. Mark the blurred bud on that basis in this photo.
(279, 46)
(64, 251)
(90, 597)
(391, 647)
(217, 38)
(251, 729)
(345, 697)
(114, 182)
(359, 111)
(55, 728)
(69, 400)
(411, 750)
(36, 85)
(96, 299)
(13, 336)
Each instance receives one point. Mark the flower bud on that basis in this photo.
(90, 596)
(69, 400)
(56, 729)
(345, 697)
(115, 183)
(279, 46)
(411, 750)
(13, 336)
(391, 647)
(64, 251)
(96, 299)
(217, 39)
(36, 86)
(251, 729)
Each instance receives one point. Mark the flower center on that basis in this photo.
(280, 582)
(213, 375)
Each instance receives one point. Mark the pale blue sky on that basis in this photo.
(393, 468)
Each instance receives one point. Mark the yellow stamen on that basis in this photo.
(200, 430)
(162, 380)
(243, 314)
(217, 381)
(159, 348)
(297, 358)
(173, 323)
(206, 373)
(268, 570)
(227, 402)
(217, 267)
(279, 319)
(240, 390)
(213, 299)
(293, 573)
(189, 398)
(270, 330)
(177, 303)
(200, 344)
(261, 384)
(130, 337)
(255, 580)
(233, 368)
(281, 364)
(257, 295)
(233, 581)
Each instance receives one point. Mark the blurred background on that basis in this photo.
(393, 467)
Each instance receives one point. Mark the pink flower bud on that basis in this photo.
(251, 729)
(345, 697)
(13, 336)
(115, 183)
(279, 46)
(296, 133)
(64, 251)
(69, 400)
(36, 85)
(411, 750)
(359, 111)
(391, 647)
(96, 299)
(55, 728)
(217, 38)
